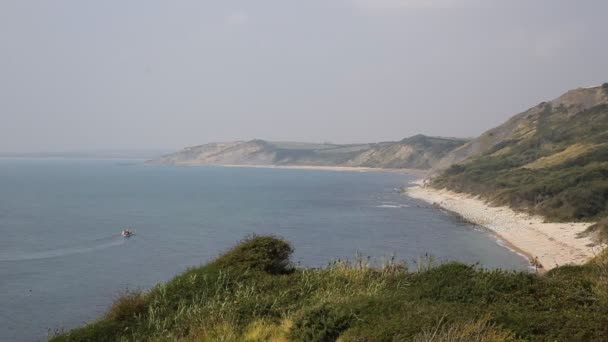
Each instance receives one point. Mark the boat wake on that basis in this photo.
(98, 244)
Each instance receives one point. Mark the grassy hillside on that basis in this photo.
(253, 293)
(554, 162)
(418, 152)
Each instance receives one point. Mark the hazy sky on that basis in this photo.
(120, 74)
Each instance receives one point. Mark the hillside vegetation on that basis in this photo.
(417, 152)
(550, 160)
(253, 293)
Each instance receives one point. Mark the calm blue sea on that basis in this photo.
(63, 261)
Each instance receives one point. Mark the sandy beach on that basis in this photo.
(416, 172)
(552, 243)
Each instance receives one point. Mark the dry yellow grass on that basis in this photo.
(569, 153)
(258, 331)
(218, 332)
(474, 331)
(262, 330)
(504, 150)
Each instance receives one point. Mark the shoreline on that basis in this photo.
(500, 240)
(416, 172)
(552, 244)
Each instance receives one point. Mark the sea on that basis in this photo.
(63, 260)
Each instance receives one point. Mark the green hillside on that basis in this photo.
(553, 162)
(253, 293)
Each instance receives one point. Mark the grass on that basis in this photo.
(570, 153)
(559, 170)
(599, 231)
(253, 293)
(481, 330)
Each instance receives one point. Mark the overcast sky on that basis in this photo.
(119, 74)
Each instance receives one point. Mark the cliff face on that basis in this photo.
(551, 159)
(254, 152)
(418, 152)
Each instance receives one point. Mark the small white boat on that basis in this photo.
(126, 233)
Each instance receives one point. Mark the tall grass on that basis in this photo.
(481, 330)
(358, 300)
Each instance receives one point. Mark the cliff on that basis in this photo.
(417, 152)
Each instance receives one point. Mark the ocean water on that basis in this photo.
(63, 261)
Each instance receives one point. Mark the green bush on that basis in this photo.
(268, 254)
(128, 306)
(323, 323)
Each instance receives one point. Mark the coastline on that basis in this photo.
(417, 172)
(552, 244)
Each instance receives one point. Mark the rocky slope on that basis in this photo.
(417, 152)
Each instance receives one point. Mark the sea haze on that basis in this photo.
(62, 260)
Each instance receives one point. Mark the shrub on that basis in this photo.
(268, 254)
(324, 323)
(128, 306)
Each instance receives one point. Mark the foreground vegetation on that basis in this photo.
(253, 293)
(555, 164)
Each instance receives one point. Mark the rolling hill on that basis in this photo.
(417, 152)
